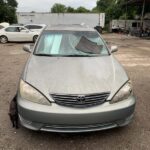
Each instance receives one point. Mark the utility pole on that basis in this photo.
(126, 15)
(99, 20)
(142, 15)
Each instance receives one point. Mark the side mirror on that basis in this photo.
(27, 48)
(114, 49)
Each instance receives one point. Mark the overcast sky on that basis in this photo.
(45, 5)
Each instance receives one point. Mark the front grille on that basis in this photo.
(80, 100)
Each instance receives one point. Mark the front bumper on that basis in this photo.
(57, 118)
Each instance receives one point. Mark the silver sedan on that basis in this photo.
(73, 83)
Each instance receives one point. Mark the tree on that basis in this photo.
(95, 10)
(8, 11)
(70, 10)
(12, 3)
(82, 10)
(114, 9)
(102, 5)
(33, 11)
(58, 8)
(105, 6)
(117, 9)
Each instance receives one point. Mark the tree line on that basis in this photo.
(114, 9)
(120, 9)
(60, 8)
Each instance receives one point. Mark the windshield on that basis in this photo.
(71, 43)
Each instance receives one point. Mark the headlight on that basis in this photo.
(29, 93)
(123, 93)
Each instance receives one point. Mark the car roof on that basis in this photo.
(34, 25)
(72, 27)
(15, 26)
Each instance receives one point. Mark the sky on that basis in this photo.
(45, 5)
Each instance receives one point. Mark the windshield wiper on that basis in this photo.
(72, 55)
(43, 54)
(94, 55)
(77, 56)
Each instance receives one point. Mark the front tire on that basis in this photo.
(3, 39)
(35, 38)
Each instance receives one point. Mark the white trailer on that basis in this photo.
(129, 24)
(91, 19)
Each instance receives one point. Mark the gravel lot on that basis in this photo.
(133, 53)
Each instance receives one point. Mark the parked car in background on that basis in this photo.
(18, 34)
(1, 27)
(4, 25)
(73, 83)
(35, 27)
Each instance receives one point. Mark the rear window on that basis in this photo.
(33, 27)
(12, 29)
(71, 43)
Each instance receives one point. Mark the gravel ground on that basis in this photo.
(134, 54)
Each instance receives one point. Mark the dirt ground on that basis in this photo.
(134, 54)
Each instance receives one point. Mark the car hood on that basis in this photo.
(75, 75)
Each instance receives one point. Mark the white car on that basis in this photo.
(35, 27)
(4, 25)
(18, 34)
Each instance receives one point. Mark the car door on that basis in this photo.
(25, 34)
(12, 33)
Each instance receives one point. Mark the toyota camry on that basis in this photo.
(73, 83)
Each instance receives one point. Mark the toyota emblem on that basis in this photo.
(81, 99)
